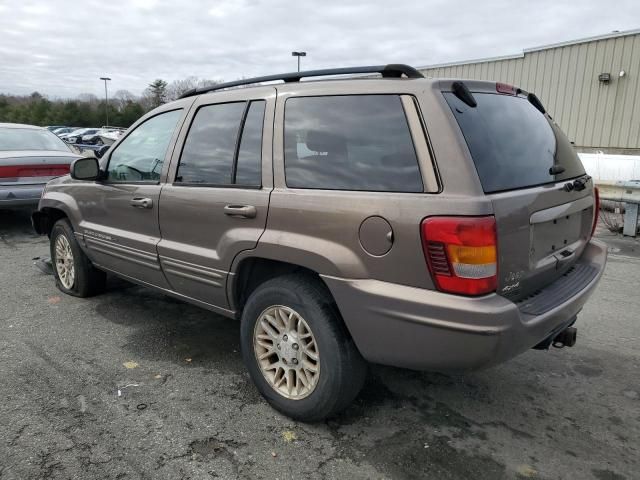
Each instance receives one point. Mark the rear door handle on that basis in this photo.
(139, 202)
(564, 257)
(240, 211)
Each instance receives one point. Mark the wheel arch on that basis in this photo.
(44, 219)
(53, 206)
(252, 271)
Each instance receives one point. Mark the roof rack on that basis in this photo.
(392, 70)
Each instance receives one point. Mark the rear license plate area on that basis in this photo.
(556, 234)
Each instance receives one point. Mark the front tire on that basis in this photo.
(73, 272)
(297, 349)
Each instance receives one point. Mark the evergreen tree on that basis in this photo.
(158, 92)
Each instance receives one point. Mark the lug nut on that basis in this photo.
(285, 338)
(295, 361)
(284, 360)
(278, 346)
(295, 346)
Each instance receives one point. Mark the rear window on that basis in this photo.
(358, 142)
(513, 145)
(30, 139)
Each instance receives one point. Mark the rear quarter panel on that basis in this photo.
(319, 229)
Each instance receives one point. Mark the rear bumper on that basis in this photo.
(12, 196)
(427, 330)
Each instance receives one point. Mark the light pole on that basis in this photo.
(299, 54)
(106, 99)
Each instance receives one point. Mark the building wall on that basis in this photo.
(593, 115)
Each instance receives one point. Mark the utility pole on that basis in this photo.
(299, 54)
(106, 99)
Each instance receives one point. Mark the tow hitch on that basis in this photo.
(566, 338)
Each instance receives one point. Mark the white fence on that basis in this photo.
(611, 168)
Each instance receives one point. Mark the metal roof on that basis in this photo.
(605, 36)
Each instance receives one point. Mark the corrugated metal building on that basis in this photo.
(596, 114)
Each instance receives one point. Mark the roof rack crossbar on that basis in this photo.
(392, 70)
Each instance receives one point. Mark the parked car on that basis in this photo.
(76, 136)
(73, 131)
(51, 128)
(109, 138)
(29, 157)
(64, 130)
(104, 136)
(429, 224)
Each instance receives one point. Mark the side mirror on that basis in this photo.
(85, 169)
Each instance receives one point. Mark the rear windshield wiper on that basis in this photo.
(535, 101)
(461, 91)
(578, 184)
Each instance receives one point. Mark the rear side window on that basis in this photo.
(513, 145)
(207, 156)
(358, 142)
(249, 165)
(224, 146)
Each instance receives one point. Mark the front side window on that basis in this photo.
(356, 142)
(140, 156)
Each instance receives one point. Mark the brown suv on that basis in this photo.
(422, 223)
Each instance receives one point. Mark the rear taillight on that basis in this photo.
(596, 209)
(461, 253)
(17, 171)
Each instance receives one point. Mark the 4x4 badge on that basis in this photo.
(513, 286)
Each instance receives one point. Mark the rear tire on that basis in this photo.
(309, 348)
(73, 272)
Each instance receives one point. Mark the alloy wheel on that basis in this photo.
(64, 262)
(287, 352)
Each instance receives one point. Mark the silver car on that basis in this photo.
(29, 157)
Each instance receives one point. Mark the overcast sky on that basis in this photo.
(61, 47)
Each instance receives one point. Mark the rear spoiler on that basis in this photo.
(460, 90)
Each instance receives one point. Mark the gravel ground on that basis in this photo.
(131, 384)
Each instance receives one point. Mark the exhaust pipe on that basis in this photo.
(566, 338)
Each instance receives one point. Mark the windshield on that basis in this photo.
(513, 145)
(30, 139)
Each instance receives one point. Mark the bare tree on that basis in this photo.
(179, 87)
(123, 97)
(207, 82)
(89, 98)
